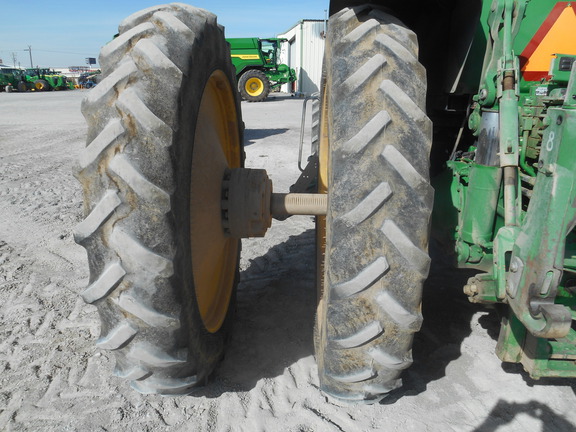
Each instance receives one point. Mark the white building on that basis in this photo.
(304, 51)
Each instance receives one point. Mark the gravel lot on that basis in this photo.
(53, 379)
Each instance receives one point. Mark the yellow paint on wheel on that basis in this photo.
(323, 162)
(216, 148)
(254, 86)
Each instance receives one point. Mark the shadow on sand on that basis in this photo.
(252, 135)
(275, 320)
(276, 304)
(504, 413)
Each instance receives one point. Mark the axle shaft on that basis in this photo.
(248, 203)
(299, 204)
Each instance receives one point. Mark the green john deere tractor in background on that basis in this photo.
(477, 98)
(39, 79)
(257, 69)
(9, 79)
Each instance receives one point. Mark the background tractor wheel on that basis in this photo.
(41, 85)
(22, 87)
(163, 126)
(254, 86)
(374, 148)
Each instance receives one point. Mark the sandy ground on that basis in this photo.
(53, 379)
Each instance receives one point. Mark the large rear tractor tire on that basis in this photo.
(164, 125)
(254, 86)
(375, 140)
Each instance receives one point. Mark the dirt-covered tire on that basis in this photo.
(380, 199)
(22, 87)
(164, 124)
(254, 86)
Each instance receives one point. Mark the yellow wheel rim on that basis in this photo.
(254, 86)
(321, 229)
(323, 161)
(216, 148)
(39, 85)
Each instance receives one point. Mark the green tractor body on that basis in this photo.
(257, 69)
(512, 187)
(9, 79)
(45, 79)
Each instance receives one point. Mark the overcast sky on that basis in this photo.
(64, 33)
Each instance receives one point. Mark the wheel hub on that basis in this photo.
(254, 87)
(248, 203)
